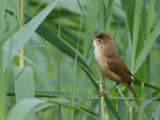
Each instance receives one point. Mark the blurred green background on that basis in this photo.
(47, 65)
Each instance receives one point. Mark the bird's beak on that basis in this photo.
(93, 36)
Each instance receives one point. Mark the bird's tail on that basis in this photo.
(131, 89)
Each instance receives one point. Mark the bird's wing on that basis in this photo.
(119, 68)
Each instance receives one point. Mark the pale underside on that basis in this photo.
(102, 62)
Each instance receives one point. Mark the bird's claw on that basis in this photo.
(101, 94)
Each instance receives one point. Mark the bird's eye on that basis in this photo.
(99, 40)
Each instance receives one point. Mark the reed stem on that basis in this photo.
(21, 62)
(101, 101)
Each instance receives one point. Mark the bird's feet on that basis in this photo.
(102, 94)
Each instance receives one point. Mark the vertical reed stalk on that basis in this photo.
(142, 88)
(101, 89)
(3, 86)
(148, 109)
(102, 83)
(136, 29)
(72, 95)
(58, 68)
(125, 40)
(80, 27)
(21, 16)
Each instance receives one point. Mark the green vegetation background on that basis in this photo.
(47, 66)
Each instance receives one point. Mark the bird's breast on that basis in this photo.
(100, 58)
(102, 62)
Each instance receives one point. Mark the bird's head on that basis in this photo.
(102, 39)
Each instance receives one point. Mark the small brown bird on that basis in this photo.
(110, 62)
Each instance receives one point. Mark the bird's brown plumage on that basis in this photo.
(110, 62)
(117, 66)
(123, 72)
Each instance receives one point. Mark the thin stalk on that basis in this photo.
(130, 111)
(136, 29)
(108, 11)
(3, 86)
(72, 96)
(125, 40)
(58, 68)
(77, 114)
(24, 81)
(81, 73)
(82, 8)
(21, 62)
(101, 101)
(101, 15)
(101, 81)
(21, 25)
(142, 88)
(148, 109)
(79, 83)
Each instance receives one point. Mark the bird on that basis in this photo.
(110, 62)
